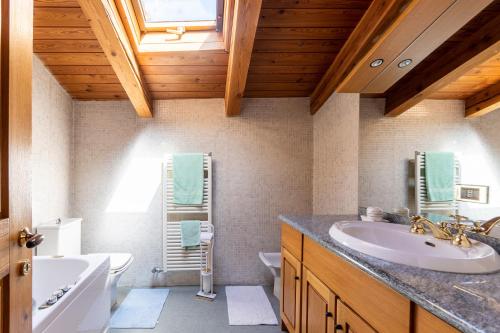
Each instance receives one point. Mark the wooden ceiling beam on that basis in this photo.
(483, 102)
(245, 20)
(110, 32)
(378, 19)
(429, 77)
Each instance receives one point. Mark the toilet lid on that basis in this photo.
(119, 260)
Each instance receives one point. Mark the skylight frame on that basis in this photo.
(188, 25)
(161, 40)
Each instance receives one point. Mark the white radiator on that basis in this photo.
(423, 204)
(175, 257)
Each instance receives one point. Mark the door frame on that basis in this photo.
(16, 59)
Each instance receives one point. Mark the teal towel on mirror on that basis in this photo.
(188, 179)
(190, 233)
(440, 176)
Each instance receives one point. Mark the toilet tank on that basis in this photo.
(62, 237)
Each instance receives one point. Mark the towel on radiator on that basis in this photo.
(188, 179)
(440, 176)
(190, 233)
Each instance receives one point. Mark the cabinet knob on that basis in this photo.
(329, 314)
(297, 278)
(339, 328)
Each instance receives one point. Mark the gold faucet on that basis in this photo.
(460, 238)
(486, 227)
(439, 232)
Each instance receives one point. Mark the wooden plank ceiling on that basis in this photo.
(64, 41)
(482, 76)
(296, 41)
(471, 46)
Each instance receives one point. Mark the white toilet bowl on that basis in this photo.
(119, 263)
(273, 261)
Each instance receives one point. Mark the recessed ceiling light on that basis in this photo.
(376, 63)
(405, 63)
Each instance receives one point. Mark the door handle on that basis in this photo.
(339, 328)
(29, 239)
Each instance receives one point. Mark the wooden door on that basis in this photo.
(15, 163)
(318, 305)
(350, 322)
(290, 291)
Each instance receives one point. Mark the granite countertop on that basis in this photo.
(470, 302)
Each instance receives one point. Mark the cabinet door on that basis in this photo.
(349, 322)
(290, 291)
(318, 305)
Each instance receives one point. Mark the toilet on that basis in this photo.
(273, 261)
(119, 263)
(63, 237)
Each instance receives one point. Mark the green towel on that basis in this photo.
(440, 176)
(188, 179)
(190, 233)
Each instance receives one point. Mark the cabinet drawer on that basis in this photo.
(426, 322)
(384, 309)
(291, 239)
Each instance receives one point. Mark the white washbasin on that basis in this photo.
(394, 242)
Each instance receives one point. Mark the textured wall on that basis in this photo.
(387, 145)
(262, 168)
(335, 171)
(52, 146)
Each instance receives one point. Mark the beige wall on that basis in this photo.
(335, 171)
(387, 145)
(52, 146)
(262, 168)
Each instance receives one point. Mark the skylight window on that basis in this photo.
(176, 11)
(173, 25)
(183, 15)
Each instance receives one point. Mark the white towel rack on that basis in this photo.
(175, 257)
(423, 204)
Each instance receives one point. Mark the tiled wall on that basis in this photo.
(52, 146)
(262, 168)
(335, 174)
(387, 145)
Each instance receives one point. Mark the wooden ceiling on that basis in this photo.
(481, 76)
(296, 45)
(477, 79)
(296, 40)
(455, 63)
(64, 41)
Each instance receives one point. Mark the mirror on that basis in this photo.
(394, 172)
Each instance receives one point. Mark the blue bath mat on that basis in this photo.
(140, 309)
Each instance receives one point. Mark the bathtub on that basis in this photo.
(85, 307)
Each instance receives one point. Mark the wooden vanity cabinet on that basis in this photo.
(323, 293)
(318, 305)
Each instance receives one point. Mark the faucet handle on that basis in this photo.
(416, 227)
(415, 218)
(459, 218)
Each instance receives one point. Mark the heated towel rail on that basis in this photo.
(423, 204)
(175, 257)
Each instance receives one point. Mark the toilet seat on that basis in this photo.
(119, 262)
(271, 259)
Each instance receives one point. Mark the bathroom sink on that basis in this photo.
(394, 242)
